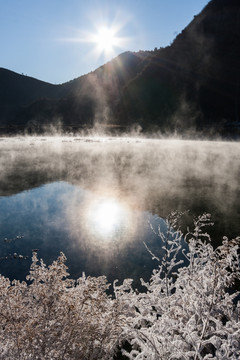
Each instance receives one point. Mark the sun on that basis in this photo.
(106, 39)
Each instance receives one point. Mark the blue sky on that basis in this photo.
(51, 39)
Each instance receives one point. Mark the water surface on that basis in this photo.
(93, 199)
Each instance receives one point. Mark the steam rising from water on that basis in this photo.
(100, 193)
(149, 175)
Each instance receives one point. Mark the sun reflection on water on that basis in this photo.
(107, 216)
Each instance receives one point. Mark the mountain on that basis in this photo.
(18, 91)
(194, 83)
(191, 85)
(32, 105)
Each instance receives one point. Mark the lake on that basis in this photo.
(96, 199)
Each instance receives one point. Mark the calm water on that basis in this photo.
(94, 199)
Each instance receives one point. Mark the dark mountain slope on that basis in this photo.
(22, 90)
(213, 56)
(195, 81)
(87, 100)
(19, 90)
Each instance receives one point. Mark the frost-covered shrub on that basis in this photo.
(188, 311)
(193, 317)
(57, 318)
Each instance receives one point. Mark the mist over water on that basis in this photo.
(59, 193)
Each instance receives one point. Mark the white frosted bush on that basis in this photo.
(193, 317)
(188, 311)
(57, 318)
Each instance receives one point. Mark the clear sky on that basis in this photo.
(59, 40)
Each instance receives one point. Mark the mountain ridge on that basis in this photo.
(192, 84)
